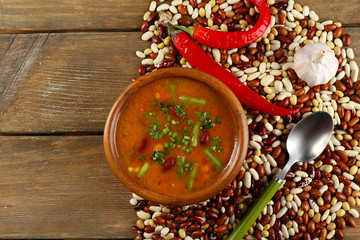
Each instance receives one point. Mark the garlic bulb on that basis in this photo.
(315, 63)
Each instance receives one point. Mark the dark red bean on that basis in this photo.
(279, 235)
(197, 220)
(311, 33)
(216, 18)
(168, 164)
(153, 17)
(205, 236)
(144, 26)
(137, 230)
(339, 233)
(163, 31)
(244, 65)
(212, 214)
(281, 4)
(231, 27)
(140, 205)
(164, 64)
(142, 70)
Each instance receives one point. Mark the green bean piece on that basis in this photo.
(180, 163)
(172, 90)
(193, 100)
(195, 134)
(151, 118)
(192, 177)
(143, 169)
(213, 159)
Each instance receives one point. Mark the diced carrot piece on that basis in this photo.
(158, 147)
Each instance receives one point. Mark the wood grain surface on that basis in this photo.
(62, 65)
(60, 187)
(120, 15)
(69, 15)
(64, 82)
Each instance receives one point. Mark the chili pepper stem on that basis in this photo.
(173, 32)
(189, 31)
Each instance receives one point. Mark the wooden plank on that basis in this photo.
(119, 15)
(65, 15)
(60, 187)
(344, 11)
(65, 82)
(72, 80)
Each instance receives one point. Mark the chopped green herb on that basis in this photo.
(188, 166)
(198, 113)
(154, 132)
(166, 130)
(190, 122)
(207, 125)
(169, 104)
(184, 141)
(204, 116)
(158, 156)
(172, 145)
(179, 110)
(216, 148)
(215, 145)
(218, 120)
(188, 150)
(154, 102)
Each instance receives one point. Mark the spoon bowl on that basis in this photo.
(307, 140)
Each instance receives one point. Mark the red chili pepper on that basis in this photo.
(237, 39)
(198, 58)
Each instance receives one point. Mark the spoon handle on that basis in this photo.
(254, 212)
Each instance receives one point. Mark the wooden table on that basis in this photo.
(62, 65)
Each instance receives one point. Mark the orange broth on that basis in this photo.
(136, 146)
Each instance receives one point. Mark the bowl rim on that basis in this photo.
(237, 158)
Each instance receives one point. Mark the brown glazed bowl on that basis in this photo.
(237, 157)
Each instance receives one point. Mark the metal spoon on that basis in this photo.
(305, 142)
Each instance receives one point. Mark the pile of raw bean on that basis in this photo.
(319, 198)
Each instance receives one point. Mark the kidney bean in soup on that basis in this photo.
(175, 136)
